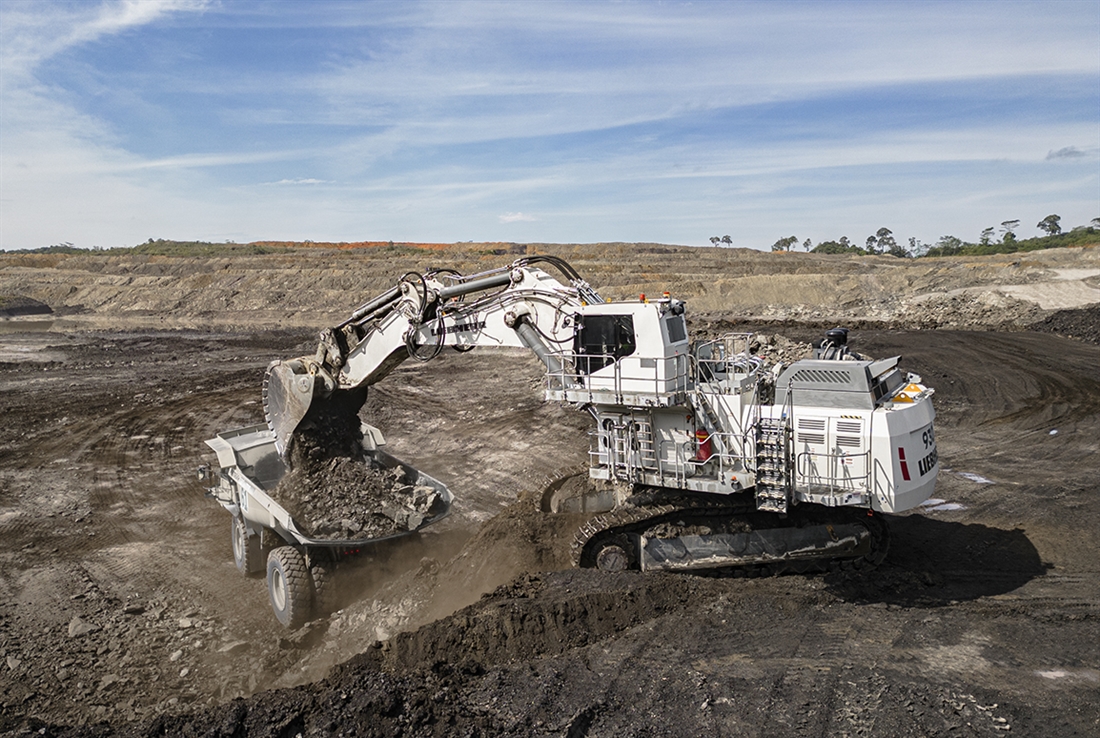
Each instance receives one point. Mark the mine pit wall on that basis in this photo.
(130, 291)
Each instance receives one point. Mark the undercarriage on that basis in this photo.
(666, 529)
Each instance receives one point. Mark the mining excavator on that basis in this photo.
(702, 455)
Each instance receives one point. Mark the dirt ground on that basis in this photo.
(122, 612)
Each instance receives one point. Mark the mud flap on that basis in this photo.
(755, 547)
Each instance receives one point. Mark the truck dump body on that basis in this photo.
(254, 468)
(299, 563)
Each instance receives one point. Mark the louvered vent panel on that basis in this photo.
(813, 424)
(848, 441)
(812, 438)
(849, 426)
(822, 376)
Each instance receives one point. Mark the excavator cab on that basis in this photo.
(601, 340)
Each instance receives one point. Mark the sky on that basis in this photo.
(561, 122)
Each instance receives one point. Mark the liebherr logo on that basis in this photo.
(477, 325)
(927, 463)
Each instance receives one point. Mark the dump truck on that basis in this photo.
(266, 539)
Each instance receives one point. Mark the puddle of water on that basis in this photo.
(25, 325)
(978, 478)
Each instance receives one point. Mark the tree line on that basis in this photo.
(884, 242)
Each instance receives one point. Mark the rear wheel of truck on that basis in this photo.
(246, 549)
(289, 587)
(324, 594)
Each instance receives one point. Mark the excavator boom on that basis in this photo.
(519, 305)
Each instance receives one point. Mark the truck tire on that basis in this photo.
(289, 587)
(246, 549)
(324, 593)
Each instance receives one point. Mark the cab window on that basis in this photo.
(601, 339)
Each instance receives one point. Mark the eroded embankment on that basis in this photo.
(317, 287)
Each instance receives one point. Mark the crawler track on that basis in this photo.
(676, 513)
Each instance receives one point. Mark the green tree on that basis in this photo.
(807, 245)
(949, 244)
(843, 246)
(987, 236)
(727, 240)
(1050, 225)
(784, 244)
(886, 242)
(1009, 230)
(715, 240)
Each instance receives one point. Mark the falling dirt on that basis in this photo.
(122, 612)
(335, 490)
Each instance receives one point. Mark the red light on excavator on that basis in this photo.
(641, 297)
(904, 466)
(667, 295)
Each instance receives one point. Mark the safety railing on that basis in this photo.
(627, 457)
(717, 360)
(719, 454)
(628, 380)
(839, 475)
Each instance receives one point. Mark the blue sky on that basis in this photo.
(544, 121)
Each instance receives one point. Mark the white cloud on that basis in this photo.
(35, 31)
(516, 218)
(302, 181)
(428, 120)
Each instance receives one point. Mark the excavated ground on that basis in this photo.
(121, 612)
(121, 602)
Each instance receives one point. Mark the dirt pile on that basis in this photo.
(335, 490)
(966, 309)
(346, 498)
(1082, 324)
(520, 541)
(15, 306)
(775, 349)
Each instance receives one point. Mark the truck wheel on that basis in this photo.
(246, 549)
(324, 591)
(288, 586)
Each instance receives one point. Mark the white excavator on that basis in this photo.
(702, 456)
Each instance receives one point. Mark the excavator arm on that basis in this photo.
(519, 305)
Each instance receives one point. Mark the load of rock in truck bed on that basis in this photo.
(334, 490)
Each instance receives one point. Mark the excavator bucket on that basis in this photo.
(288, 393)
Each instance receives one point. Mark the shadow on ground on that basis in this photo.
(937, 562)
